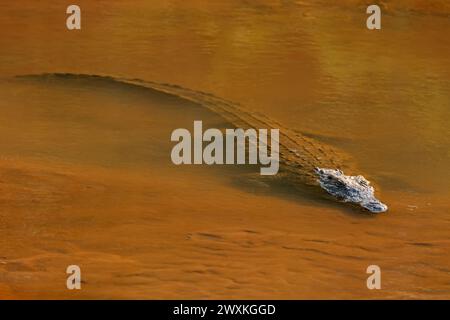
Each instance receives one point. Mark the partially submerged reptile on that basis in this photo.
(303, 160)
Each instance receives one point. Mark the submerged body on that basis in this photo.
(302, 160)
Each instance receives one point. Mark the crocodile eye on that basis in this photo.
(329, 177)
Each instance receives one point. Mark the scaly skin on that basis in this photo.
(299, 155)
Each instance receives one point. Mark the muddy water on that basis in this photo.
(85, 171)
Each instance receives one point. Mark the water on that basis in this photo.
(83, 168)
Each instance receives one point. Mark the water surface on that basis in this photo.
(86, 178)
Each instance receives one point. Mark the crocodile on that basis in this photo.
(303, 160)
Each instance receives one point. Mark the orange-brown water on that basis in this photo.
(85, 171)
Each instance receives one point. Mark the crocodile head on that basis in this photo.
(354, 189)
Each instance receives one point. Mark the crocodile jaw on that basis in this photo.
(374, 205)
(353, 189)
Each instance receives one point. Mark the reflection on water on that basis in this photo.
(381, 96)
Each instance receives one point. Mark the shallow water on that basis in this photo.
(85, 172)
